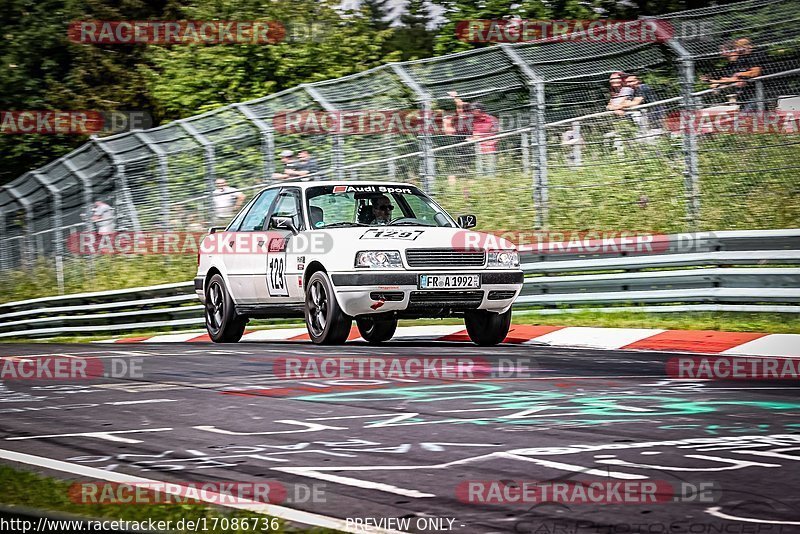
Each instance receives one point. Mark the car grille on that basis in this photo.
(500, 295)
(445, 257)
(450, 299)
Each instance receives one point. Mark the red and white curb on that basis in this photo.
(699, 341)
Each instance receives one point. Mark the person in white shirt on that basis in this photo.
(103, 217)
(227, 200)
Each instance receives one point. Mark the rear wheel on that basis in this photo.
(376, 330)
(326, 322)
(487, 328)
(222, 323)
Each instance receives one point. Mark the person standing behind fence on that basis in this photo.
(743, 64)
(103, 217)
(473, 121)
(619, 93)
(643, 94)
(307, 166)
(289, 170)
(227, 201)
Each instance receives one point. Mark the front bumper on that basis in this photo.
(362, 293)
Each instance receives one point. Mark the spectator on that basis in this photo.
(289, 166)
(620, 94)
(643, 94)
(103, 217)
(743, 64)
(227, 201)
(473, 121)
(306, 165)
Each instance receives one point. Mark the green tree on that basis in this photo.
(41, 69)
(321, 44)
(456, 11)
(377, 13)
(414, 37)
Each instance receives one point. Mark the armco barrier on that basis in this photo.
(749, 271)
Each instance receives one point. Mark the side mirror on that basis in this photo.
(215, 229)
(467, 221)
(283, 223)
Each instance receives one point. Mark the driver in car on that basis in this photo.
(382, 209)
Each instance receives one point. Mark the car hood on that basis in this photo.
(407, 237)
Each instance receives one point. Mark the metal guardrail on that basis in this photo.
(748, 271)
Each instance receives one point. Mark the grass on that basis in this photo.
(30, 490)
(83, 274)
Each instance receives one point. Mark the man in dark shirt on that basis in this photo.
(743, 64)
(306, 165)
(644, 94)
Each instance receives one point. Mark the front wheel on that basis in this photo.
(326, 322)
(376, 330)
(487, 328)
(222, 323)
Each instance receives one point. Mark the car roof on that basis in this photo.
(307, 184)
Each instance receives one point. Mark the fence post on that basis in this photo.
(338, 140)
(535, 85)
(428, 167)
(525, 148)
(121, 185)
(87, 190)
(760, 104)
(691, 174)
(27, 254)
(267, 139)
(210, 163)
(4, 263)
(577, 158)
(163, 176)
(691, 178)
(55, 195)
(542, 186)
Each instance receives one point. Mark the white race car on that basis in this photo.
(334, 251)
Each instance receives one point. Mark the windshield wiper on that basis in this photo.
(343, 224)
(410, 223)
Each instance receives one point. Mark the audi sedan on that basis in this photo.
(332, 252)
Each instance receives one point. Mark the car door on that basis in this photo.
(280, 281)
(242, 261)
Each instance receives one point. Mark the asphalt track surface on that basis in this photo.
(403, 448)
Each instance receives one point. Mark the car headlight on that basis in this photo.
(505, 259)
(378, 259)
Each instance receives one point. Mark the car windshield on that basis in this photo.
(332, 206)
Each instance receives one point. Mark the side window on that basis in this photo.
(254, 220)
(288, 205)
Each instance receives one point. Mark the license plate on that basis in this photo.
(449, 281)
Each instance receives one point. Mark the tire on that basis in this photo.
(486, 328)
(222, 323)
(376, 330)
(327, 324)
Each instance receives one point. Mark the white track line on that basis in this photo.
(281, 512)
(787, 345)
(596, 338)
